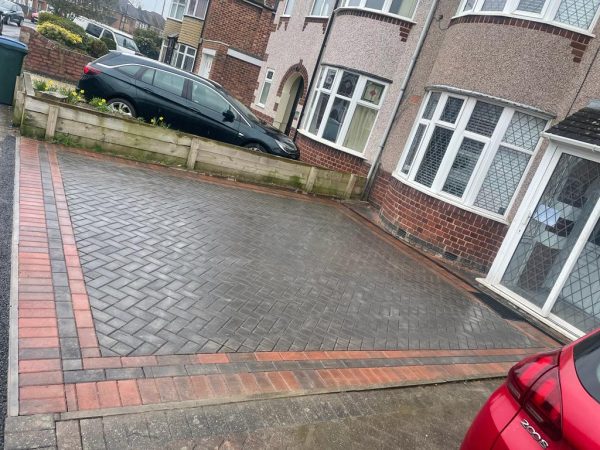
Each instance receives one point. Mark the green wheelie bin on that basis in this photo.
(12, 53)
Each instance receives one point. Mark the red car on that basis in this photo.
(549, 401)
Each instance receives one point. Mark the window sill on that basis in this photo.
(376, 11)
(193, 17)
(332, 145)
(450, 200)
(316, 18)
(176, 20)
(529, 18)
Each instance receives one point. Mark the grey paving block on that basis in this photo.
(92, 434)
(68, 435)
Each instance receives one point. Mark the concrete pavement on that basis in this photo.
(433, 417)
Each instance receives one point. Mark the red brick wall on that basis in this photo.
(380, 188)
(238, 77)
(240, 24)
(49, 58)
(263, 116)
(317, 154)
(437, 226)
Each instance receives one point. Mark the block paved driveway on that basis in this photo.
(176, 266)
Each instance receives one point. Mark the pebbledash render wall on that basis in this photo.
(49, 58)
(516, 61)
(237, 31)
(293, 48)
(368, 42)
(379, 46)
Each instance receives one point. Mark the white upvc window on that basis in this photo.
(322, 8)
(177, 9)
(579, 15)
(344, 107)
(163, 50)
(288, 8)
(197, 8)
(402, 8)
(470, 152)
(266, 87)
(183, 57)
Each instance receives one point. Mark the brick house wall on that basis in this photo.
(49, 58)
(317, 154)
(243, 26)
(237, 76)
(439, 227)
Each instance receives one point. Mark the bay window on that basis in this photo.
(197, 8)
(177, 9)
(579, 14)
(344, 108)
(469, 151)
(322, 8)
(403, 8)
(183, 57)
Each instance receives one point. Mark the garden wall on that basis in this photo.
(49, 58)
(77, 126)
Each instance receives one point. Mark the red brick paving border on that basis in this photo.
(41, 379)
(88, 342)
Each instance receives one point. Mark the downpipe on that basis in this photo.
(411, 66)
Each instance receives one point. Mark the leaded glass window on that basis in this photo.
(579, 14)
(471, 151)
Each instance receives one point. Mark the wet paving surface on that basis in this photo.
(175, 265)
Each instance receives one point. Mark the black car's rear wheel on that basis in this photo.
(256, 147)
(122, 107)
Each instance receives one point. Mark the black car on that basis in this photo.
(141, 87)
(11, 12)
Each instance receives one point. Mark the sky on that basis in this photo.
(153, 5)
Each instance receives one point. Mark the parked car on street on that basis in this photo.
(141, 87)
(549, 401)
(11, 12)
(123, 42)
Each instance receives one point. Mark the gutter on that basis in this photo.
(411, 66)
(317, 65)
(573, 142)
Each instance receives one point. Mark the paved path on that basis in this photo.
(412, 418)
(173, 266)
(141, 288)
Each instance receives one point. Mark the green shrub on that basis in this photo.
(97, 48)
(92, 46)
(57, 33)
(62, 22)
(148, 41)
(110, 44)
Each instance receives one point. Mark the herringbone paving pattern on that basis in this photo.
(175, 266)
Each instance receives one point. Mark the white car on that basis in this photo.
(123, 42)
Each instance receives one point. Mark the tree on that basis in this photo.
(148, 41)
(92, 9)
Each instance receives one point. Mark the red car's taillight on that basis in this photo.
(535, 384)
(89, 70)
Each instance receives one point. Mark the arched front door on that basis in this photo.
(290, 97)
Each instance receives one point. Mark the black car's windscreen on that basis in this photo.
(587, 364)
